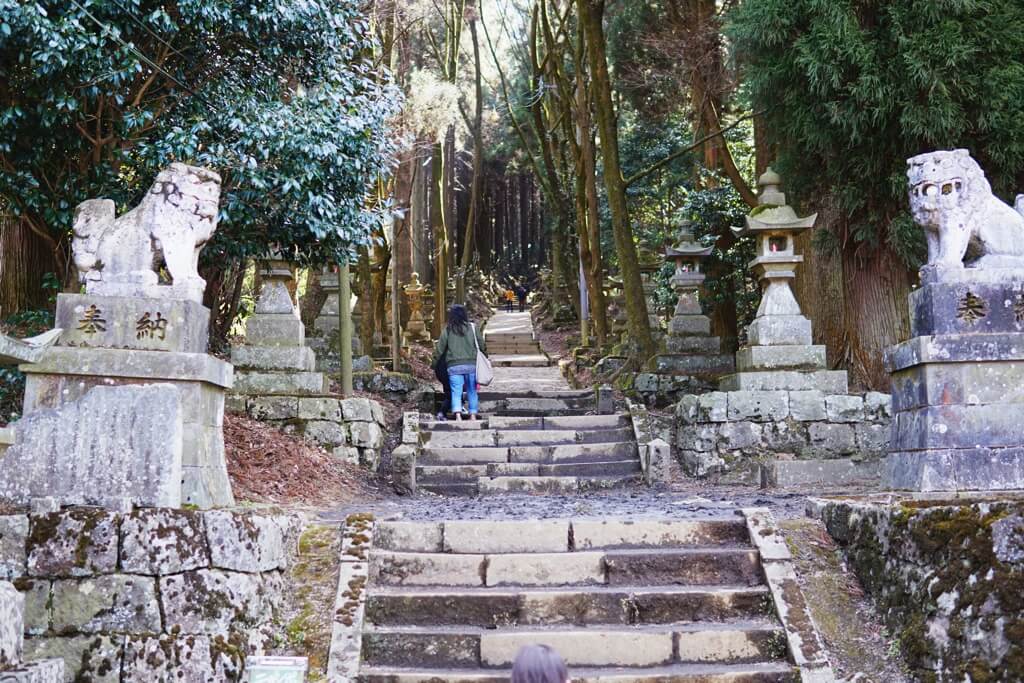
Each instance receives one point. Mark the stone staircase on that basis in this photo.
(532, 442)
(623, 601)
(511, 342)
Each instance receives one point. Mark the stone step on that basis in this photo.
(577, 422)
(450, 474)
(287, 383)
(564, 394)
(516, 361)
(580, 605)
(596, 452)
(771, 672)
(510, 337)
(676, 566)
(461, 646)
(555, 535)
(552, 484)
(473, 438)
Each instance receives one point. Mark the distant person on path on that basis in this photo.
(521, 293)
(510, 298)
(457, 348)
(539, 664)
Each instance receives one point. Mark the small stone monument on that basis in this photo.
(274, 360)
(324, 337)
(416, 328)
(694, 361)
(958, 383)
(135, 324)
(783, 417)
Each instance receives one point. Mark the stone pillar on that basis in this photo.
(958, 383)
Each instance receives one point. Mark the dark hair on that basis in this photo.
(458, 319)
(539, 664)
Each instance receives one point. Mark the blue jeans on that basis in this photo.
(469, 381)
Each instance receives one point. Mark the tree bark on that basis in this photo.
(24, 259)
(591, 13)
(439, 227)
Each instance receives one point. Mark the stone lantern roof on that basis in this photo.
(772, 213)
(687, 245)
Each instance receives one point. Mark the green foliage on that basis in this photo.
(853, 88)
(282, 97)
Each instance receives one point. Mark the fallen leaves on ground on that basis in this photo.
(267, 466)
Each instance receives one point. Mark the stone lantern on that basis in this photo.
(649, 264)
(415, 329)
(687, 255)
(774, 226)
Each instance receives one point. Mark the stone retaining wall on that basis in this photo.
(154, 594)
(731, 434)
(948, 579)
(352, 428)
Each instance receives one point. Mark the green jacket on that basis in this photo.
(458, 349)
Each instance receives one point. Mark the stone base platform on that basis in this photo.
(945, 573)
(152, 595)
(728, 435)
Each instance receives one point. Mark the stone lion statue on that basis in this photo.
(953, 201)
(121, 256)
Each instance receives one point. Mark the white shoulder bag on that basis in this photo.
(484, 371)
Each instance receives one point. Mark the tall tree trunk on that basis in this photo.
(439, 227)
(24, 260)
(591, 13)
(589, 221)
(478, 153)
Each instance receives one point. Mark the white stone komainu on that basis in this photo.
(953, 201)
(120, 256)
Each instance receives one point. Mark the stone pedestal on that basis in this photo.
(114, 340)
(958, 384)
(274, 358)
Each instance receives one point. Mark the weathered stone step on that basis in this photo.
(594, 605)
(559, 535)
(564, 394)
(693, 567)
(771, 672)
(443, 474)
(516, 361)
(534, 406)
(509, 337)
(733, 643)
(552, 484)
(472, 438)
(596, 452)
(505, 423)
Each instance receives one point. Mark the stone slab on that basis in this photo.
(794, 357)
(703, 345)
(827, 381)
(650, 533)
(116, 322)
(115, 603)
(424, 537)
(465, 536)
(295, 358)
(115, 442)
(943, 383)
(426, 569)
(775, 330)
(968, 306)
(244, 542)
(99, 655)
(968, 469)
(75, 542)
(582, 648)
(270, 329)
(40, 671)
(160, 542)
(955, 348)
(209, 601)
(693, 364)
(959, 426)
(13, 537)
(758, 406)
(16, 351)
(12, 613)
(132, 364)
(259, 383)
(546, 569)
(818, 472)
(689, 325)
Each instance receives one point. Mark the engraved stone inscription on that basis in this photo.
(971, 308)
(92, 321)
(148, 327)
